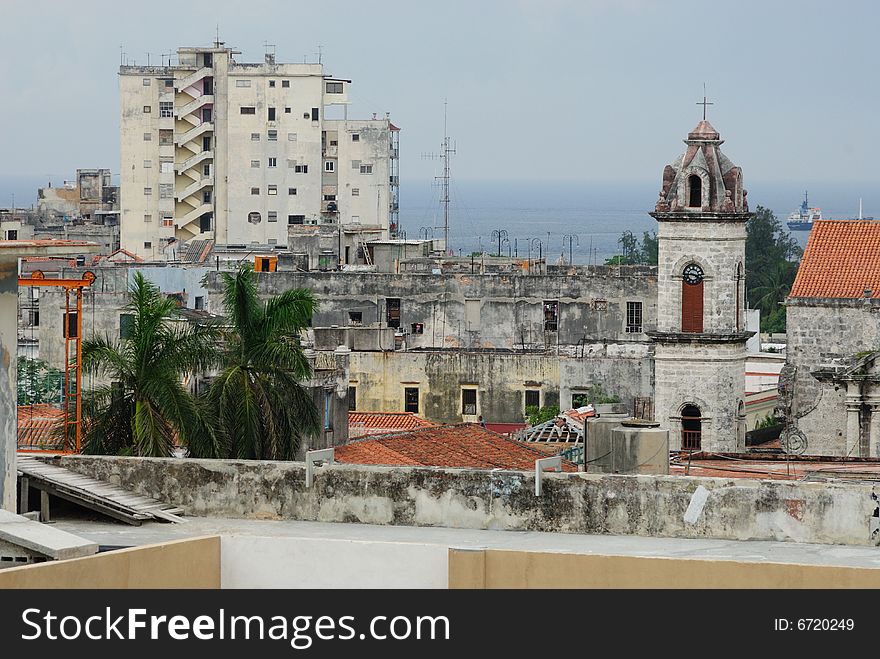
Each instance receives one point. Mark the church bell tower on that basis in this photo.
(700, 342)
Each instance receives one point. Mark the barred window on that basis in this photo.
(166, 108)
(633, 317)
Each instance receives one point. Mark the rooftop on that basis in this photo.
(842, 260)
(465, 445)
(383, 423)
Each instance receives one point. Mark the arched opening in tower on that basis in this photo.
(695, 191)
(691, 428)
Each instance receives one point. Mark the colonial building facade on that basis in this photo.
(700, 342)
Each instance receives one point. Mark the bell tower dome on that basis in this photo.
(700, 342)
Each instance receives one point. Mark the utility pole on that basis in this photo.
(500, 235)
(569, 237)
(446, 150)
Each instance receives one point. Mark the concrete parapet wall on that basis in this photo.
(664, 506)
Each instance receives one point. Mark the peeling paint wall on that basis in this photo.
(663, 506)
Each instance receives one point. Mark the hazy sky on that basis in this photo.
(537, 89)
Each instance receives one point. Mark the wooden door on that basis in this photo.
(692, 307)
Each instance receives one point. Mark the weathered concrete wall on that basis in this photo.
(501, 379)
(820, 331)
(480, 311)
(671, 506)
(8, 379)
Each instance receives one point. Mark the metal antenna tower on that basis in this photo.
(446, 150)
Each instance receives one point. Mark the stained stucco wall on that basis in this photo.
(671, 506)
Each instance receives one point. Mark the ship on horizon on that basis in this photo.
(802, 219)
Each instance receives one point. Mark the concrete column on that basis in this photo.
(874, 428)
(853, 405)
(8, 374)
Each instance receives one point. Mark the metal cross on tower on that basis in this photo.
(704, 103)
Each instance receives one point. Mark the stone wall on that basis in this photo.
(479, 311)
(819, 332)
(669, 506)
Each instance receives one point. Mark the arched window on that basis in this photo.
(254, 217)
(691, 428)
(695, 191)
(692, 299)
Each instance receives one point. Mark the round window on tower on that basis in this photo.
(693, 274)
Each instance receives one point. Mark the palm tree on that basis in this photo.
(262, 409)
(146, 406)
(774, 287)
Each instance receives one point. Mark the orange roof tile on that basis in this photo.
(842, 259)
(382, 423)
(466, 445)
(36, 424)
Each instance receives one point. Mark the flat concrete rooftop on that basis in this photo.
(753, 551)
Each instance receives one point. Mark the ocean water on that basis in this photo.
(543, 214)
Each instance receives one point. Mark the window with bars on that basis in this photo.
(532, 398)
(551, 315)
(411, 399)
(633, 317)
(166, 109)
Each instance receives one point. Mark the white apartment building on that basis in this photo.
(236, 152)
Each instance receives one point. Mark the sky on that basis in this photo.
(537, 90)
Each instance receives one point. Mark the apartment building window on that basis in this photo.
(148, 192)
(273, 136)
(126, 323)
(169, 82)
(285, 83)
(255, 163)
(633, 317)
(146, 82)
(206, 196)
(148, 137)
(166, 166)
(166, 137)
(366, 169)
(296, 219)
(532, 398)
(148, 164)
(147, 109)
(271, 83)
(300, 169)
(291, 137)
(148, 218)
(166, 109)
(12, 234)
(329, 166)
(417, 328)
(271, 114)
(255, 137)
(411, 399)
(255, 191)
(352, 393)
(551, 315)
(286, 110)
(329, 197)
(355, 317)
(334, 87)
(273, 162)
(206, 169)
(167, 220)
(392, 311)
(248, 109)
(148, 245)
(273, 189)
(200, 302)
(469, 402)
(166, 190)
(254, 217)
(206, 115)
(206, 143)
(314, 114)
(355, 137)
(355, 192)
(291, 191)
(273, 216)
(242, 83)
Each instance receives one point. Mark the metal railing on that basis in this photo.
(691, 440)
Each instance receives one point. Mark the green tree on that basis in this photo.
(771, 266)
(146, 406)
(38, 382)
(635, 252)
(262, 409)
(650, 248)
(536, 415)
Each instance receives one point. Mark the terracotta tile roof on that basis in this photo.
(382, 423)
(842, 259)
(35, 426)
(465, 445)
